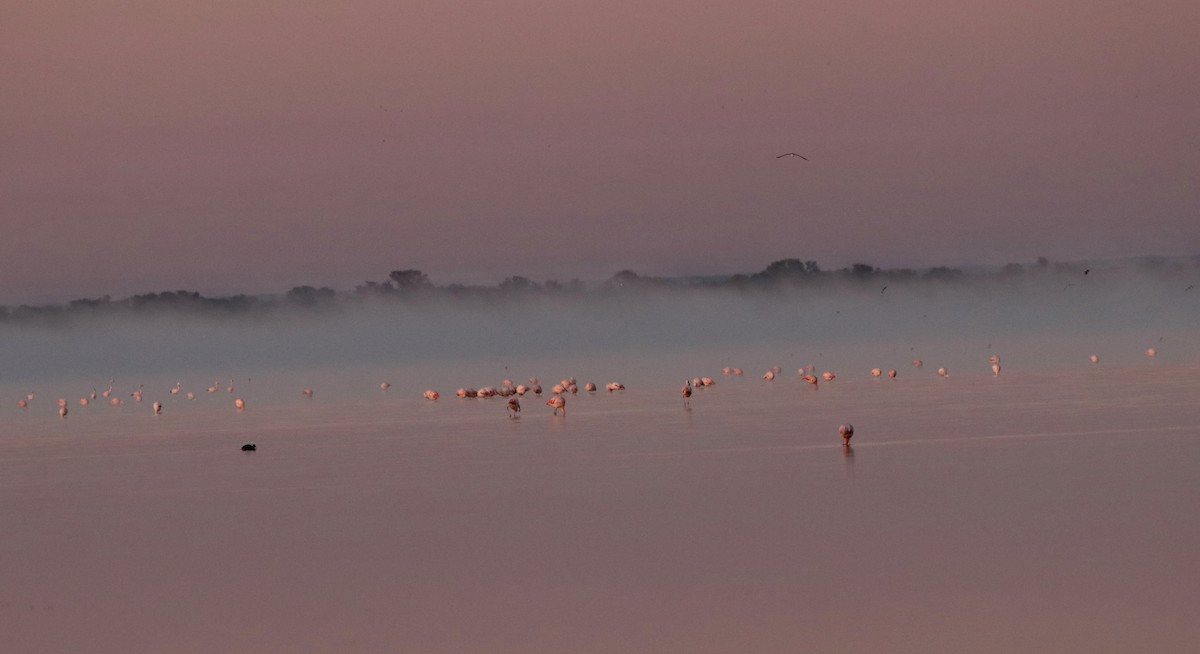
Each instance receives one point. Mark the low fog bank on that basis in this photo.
(870, 320)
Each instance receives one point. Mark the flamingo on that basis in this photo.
(876, 372)
(996, 369)
(22, 403)
(558, 388)
(537, 388)
(776, 369)
(615, 386)
(811, 379)
(738, 372)
(190, 396)
(239, 404)
(116, 401)
(686, 391)
(514, 407)
(558, 403)
(590, 387)
(83, 402)
(707, 381)
(847, 431)
(108, 392)
(431, 395)
(384, 386)
(62, 410)
(522, 389)
(769, 375)
(1094, 359)
(93, 393)
(175, 391)
(942, 372)
(1151, 352)
(917, 363)
(61, 402)
(157, 408)
(229, 389)
(892, 374)
(995, 358)
(214, 388)
(307, 392)
(828, 376)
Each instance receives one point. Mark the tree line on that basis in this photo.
(414, 285)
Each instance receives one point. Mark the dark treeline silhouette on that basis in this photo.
(411, 285)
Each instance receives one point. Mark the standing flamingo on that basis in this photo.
(558, 404)
(384, 386)
(686, 392)
(1094, 359)
(307, 392)
(1151, 352)
(942, 372)
(431, 395)
(847, 431)
(157, 408)
(996, 369)
(769, 375)
(811, 379)
(892, 374)
(239, 404)
(514, 407)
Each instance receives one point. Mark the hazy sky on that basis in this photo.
(249, 145)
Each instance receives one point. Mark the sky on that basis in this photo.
(253, 145)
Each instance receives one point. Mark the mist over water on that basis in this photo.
(849, 326)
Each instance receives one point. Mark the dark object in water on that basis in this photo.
(249, 447)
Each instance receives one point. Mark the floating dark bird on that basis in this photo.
(883, 289)
(1086, 271)
(792, 154)
(249, 447)
(1190, 287)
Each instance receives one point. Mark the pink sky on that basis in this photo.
(251, 146)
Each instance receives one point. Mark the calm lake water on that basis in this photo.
(1051, 509)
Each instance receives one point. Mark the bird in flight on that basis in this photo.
(792, 154)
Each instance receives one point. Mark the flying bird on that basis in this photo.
(792, 154)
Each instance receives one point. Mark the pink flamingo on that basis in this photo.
(307, 392)
(239, 404)
(514, 407)
(686, 392)
(1094, 359)
(811, 379)
(431, 395)
(847, 431)
(558, 404)
(769, 375)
